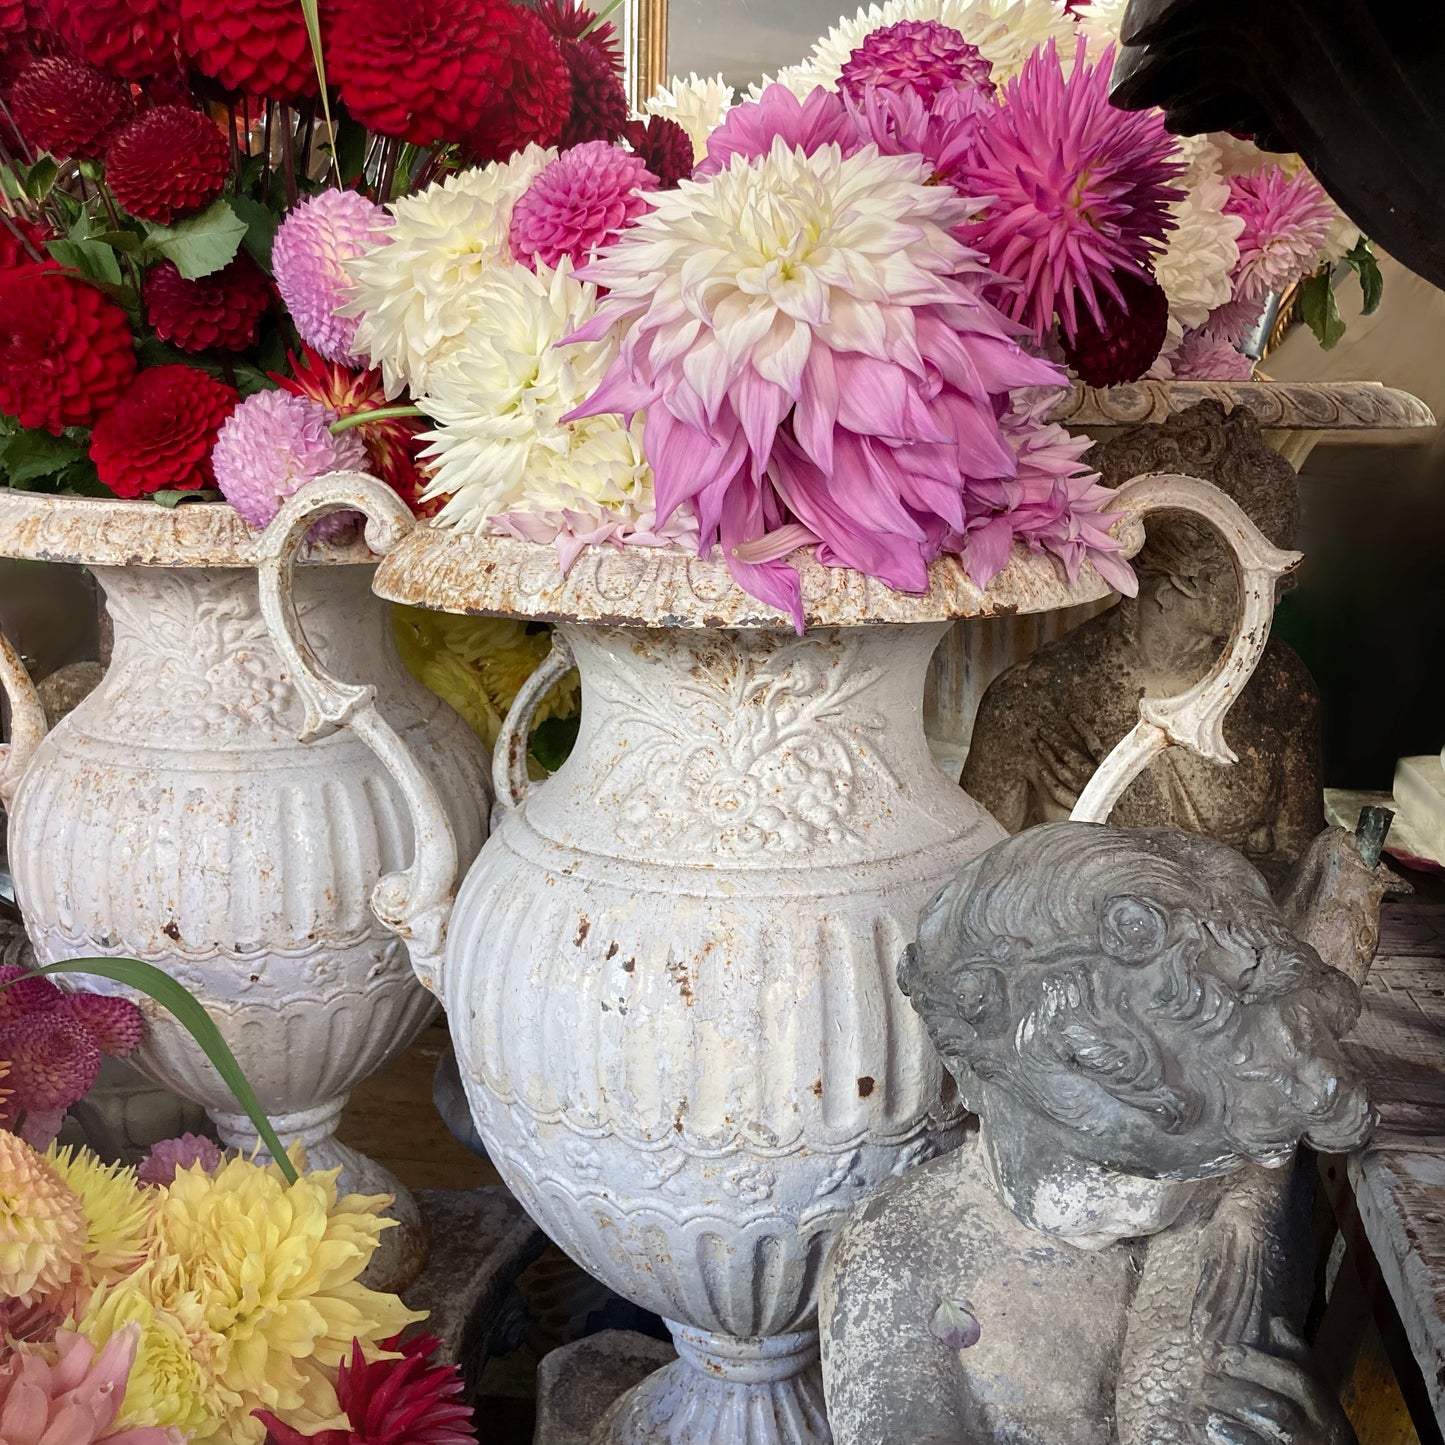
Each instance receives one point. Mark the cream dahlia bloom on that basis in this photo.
(500, 454)
(697, 105)
(415, 292)
(1200, 254)
(1006, 31)
(1101, 21)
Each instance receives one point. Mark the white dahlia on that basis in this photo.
(416, 292)
(697, 105)
(1101, 21)
(1198, 261)
(1006, 31)
(501, 454)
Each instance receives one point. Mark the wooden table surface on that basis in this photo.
(1398, 1181)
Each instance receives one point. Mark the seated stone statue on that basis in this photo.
(1046, 724)
(1103, 1262)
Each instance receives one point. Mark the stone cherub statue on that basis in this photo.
(1105, 1261)
(1046, 724)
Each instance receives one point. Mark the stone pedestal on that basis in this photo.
(578, 1384)
(481, 1241)
(1420, 801)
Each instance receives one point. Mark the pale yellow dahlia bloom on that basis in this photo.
(416, 291)
(117, 1213)
(697, 105)
(1005, 31)
(169, 1384)
(273, 1268)
(42, 1225)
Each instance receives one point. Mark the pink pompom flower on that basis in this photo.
(309, 256)
(1081, 191)
(749, 130)
(580, 202)
(1203, 357)
(160, 1165)
(272, 445)
(919, 57)
(1287, 221)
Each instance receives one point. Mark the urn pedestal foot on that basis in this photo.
(765, 1391)
(402, 1254)
(1420, 799)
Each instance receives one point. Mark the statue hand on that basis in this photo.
(1068, 755)
(1252, 1397)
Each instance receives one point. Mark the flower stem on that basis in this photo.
(376, 413)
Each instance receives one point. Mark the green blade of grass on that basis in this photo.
(190, 1013)
(311, 10)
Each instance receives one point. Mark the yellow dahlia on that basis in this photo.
(117, 1213)
(273, 1267)
(478, 665)
(42, 1225)
(169, 1383)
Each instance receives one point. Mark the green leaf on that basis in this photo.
(41, 180)
(31, 454)
(11, 183)
(172, 499)
(201, 244)
(1320, 313)
(93, 170)
(553, 741)
(251, 379)
(81, 479)
(351, 141)
(119, 240)
(261, 225)
(1372, 284)
(93, 260)
(187, 1011)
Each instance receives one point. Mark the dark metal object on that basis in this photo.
(1371, 832)
(1356, 87)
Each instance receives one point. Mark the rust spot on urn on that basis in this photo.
(584, 926)
(865, 1086)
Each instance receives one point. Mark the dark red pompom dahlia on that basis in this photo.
(160, 434)
(66, 353)
(533, 99)
(1126, 345)
(166, 162)
(13, 250)
(567, 20)
(134, 39)
(69, 108)
(420, 71)
(599, 104)
(665, 148)
(221, 311)
(259, 47)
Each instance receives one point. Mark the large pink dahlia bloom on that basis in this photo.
(1287, 221)
(921, 57)
(1081, 190)
(806, 337)
(749, 130)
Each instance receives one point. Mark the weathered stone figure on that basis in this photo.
(1146, 1044)
(1046, 724)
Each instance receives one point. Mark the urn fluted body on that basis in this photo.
(175, 818)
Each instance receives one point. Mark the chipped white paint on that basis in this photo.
(175, 818)
(670, 973)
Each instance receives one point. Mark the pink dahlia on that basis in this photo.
(808, 343)
(581, 202)
(308, 260)
(1081, 190)
(749, 130)
(923, 57)
(272, 445)
(1287, 221)
(1202, 357)
(184, 1152)
(70, 1395)
(943, 133)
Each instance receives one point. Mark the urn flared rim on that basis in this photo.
(1275, 405)
(110, 532)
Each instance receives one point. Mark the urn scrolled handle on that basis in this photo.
(28, 725)
(509, 761)
(416, 903)
(1194, 718)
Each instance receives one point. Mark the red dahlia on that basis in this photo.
(134, 39)
(257, 46)
(68, 108)
(66, 352)
(567, 20)
(13, 251)
(599, 104)
(533, 99)
(160, 434)
(421, 71)
(166, 162)
(222, 310)
(665, 148)
(1124, 347)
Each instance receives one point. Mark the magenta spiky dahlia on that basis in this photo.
(308, 260)
(582, 201)
(922, 56)
(1082, 190)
